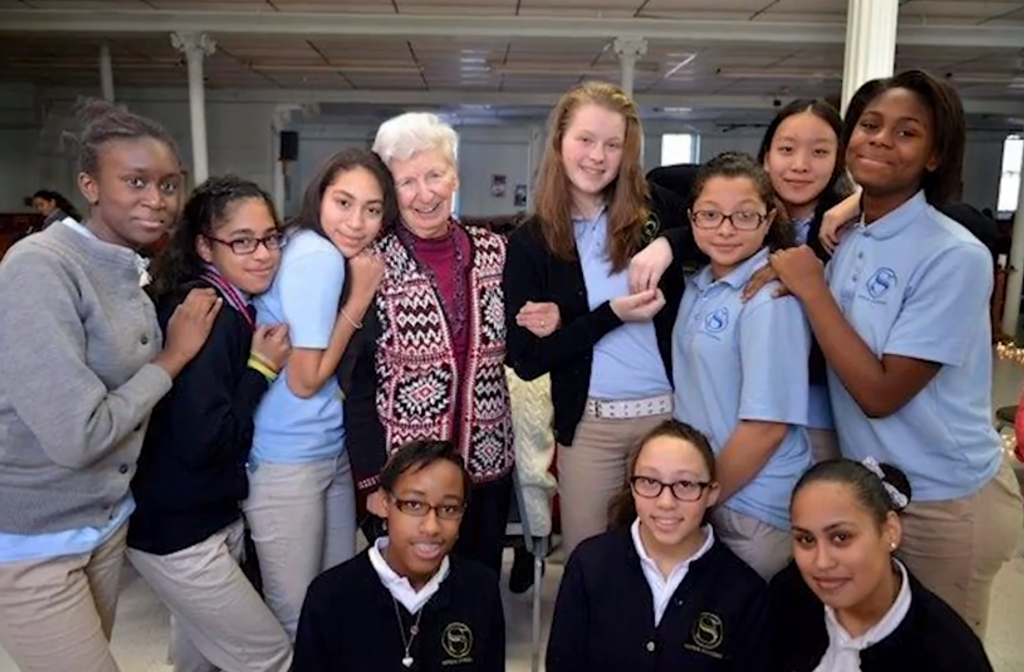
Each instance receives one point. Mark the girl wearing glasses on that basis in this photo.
(185, 537)
(659, 592)
(301, 505)
(406, 602)
(740, 367)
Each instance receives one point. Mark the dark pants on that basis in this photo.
(482, 534)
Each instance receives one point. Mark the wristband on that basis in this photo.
(259, 366)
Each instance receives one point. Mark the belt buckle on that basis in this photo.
(597, 409)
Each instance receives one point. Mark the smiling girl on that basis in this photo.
(741, 366)
(857, 608)
(301, 504)
(660, 592)
(902, 316)
(185, 537)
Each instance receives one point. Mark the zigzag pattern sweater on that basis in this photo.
(418, 393)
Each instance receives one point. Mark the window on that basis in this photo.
(678, 148)
(1009, 182)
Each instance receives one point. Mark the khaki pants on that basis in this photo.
(593, 470)
(57, 615)
(956, 547)
(303, 521)
(219, 620)
(765, 548)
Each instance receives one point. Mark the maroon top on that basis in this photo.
(448, 261)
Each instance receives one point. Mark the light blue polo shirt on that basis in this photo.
(627, 363)
(736, 361)
(306, 294)
(917, 284)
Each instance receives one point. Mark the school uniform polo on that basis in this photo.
(736, 361)
(605, 617)
(351, 623)
(917, 284)
(305, 295)
(626, 363)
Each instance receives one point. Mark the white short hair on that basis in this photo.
(402, 136)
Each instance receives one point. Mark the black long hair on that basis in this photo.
(62, 203)
(179, 262)
(839, 185)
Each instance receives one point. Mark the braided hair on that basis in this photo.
(207, 207)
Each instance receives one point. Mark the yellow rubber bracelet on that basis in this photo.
(262, 368)
(260, 358)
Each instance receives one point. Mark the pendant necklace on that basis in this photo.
(413, 631)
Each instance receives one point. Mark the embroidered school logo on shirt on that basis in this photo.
(457, 642)
(881, 282)
(707, 634)
(650, 230)
(716, 322)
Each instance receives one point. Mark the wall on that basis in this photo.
(241, 141)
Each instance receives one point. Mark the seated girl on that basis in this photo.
(847, 604)
(659, 592)
(405, 600)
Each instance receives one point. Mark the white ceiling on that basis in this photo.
(478, 67)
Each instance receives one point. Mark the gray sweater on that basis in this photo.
(77, 335)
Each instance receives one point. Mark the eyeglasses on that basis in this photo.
(418, 509)
(684, 491)
(243, 246)
(743, 220)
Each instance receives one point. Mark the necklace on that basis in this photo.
(413, 631)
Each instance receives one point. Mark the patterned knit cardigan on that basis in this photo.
(418, 390)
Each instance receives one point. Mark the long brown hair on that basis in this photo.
(626, 196)
(622, 508)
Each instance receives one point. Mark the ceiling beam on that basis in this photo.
(450, 99)
(689, 30)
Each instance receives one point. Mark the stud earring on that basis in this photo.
(892, 546)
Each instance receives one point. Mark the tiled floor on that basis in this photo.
(140, 638)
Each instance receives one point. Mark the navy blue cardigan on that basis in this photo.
(191, 475)
(604, 615)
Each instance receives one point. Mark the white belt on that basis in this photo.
(636, 408)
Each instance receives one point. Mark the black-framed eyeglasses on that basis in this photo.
(419, 509)
(743, 220)
(684, 491)
(243, 246)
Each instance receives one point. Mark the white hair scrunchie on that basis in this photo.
(899, 500)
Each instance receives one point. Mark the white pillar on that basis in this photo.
(196, 47)
(629, 52)
(106, 73)
(1015, 267)
(870, 43)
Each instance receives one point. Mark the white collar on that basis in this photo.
(662, 587)
(399, 587)
(843, 653)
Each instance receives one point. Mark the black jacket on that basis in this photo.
(533, 274)
(931, 637)
(191, 474)
(349, 623)
(604, 614)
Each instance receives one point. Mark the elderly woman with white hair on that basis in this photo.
(429, 361)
